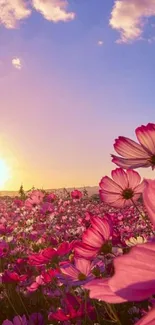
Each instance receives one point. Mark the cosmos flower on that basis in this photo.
(94, 238)
(135, 155)
(76, 194)
(133, 279)
(80, 272)
(122, 189)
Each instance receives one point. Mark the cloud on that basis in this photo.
(16, 62)
(12, 11)
(53, 10)
(129, 18)
(100, 43)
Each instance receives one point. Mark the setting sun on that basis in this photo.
(4, 173)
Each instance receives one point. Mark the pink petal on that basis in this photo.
(69, 270)
(107, 184)
(133, 178)
(149, 198)
(134, 277)
(99, 289)
(83, 265)
(146, 136)
(115, 200)
(85, 251)
(103, 226)
(131, 163)
(93, 238)
(149, 319)
(128, 148)
(120, 177)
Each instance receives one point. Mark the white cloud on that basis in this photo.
(53, 10)
(129, 18)
(12, 11)
(16, 62)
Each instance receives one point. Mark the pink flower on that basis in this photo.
(36, 197)
(149, 198)
(134, 277)
(94, 237)
(134, 155)
(122, 189)
(18, 320)
(76, 194)
(47, 207)
(45, 256)
(80, 272)
(51, 197)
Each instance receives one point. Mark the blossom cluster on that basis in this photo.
(76, 260)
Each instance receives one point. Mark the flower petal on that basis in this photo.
(134, 277)
(99, 289)
(146, 136)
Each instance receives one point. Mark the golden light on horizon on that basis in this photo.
(5, 173)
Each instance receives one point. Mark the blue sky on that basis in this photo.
(68, 98)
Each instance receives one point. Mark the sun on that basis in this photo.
(5, 173)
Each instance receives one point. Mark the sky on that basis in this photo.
(74, 75)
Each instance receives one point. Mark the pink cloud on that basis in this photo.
(53, 10)
(129, 18)
(12, 11)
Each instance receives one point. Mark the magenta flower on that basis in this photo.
(134, 155)
(122, 189)
(51, 197)
(76, 194)
(43, 257)
(47, 207)
(149, 198)
(74, 308)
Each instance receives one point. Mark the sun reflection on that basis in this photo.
(5, 173)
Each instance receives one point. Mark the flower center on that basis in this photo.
(152, 160)
(82, 277)
(127, 194)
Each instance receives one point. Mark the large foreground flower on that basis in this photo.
(149, 198)
(134, 277)
(135, 155)
(133, 280)
(122, 189)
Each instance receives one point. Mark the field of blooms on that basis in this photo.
(79, 260)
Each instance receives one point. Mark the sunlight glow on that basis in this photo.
(5, 173)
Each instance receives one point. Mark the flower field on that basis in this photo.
(79, 260)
